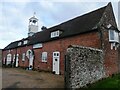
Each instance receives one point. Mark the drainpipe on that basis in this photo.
(15, 58)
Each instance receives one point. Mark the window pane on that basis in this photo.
(57, 33)
(23, 56)
(54, 34)
(111, 34)
(54, 54)
(44, 56)
(116, 36)
(57, 54)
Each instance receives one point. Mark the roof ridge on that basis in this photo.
(70, 27)
(104, 7)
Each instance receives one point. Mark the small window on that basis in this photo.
(26, 41)
(113, 36)
(57, 54)
(23, 57)
(55, 34)
(44, 56)
(19, 43)
(54, 54)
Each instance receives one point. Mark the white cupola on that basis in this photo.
(33, 25)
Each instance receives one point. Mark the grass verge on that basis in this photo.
(108, 83)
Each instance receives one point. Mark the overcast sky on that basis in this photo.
(15, 15)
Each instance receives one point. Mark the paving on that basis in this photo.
(20, 78)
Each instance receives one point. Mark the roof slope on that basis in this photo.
(78, 25)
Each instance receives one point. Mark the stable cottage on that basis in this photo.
(46, 50)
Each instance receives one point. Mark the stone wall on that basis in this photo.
(83, 65)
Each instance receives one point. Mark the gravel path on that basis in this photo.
(19, 78)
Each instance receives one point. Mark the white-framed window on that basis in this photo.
(25, 42)
(19, 43)
(9, 59)
(44, 56)
(55, 34)
(113, 36)
(23, 57)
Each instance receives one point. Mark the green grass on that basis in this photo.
(108, 83)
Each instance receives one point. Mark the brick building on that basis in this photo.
(45, 50)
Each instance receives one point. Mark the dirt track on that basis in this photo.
(19, 78)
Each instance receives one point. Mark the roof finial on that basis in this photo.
(34, 14)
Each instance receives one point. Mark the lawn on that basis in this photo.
(108, 83)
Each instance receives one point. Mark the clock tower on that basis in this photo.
(33, 25)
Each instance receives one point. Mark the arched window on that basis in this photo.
(9, 58)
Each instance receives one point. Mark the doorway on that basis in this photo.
(56, 62)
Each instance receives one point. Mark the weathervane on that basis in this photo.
(34, 14)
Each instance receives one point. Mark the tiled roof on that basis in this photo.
(78, 25)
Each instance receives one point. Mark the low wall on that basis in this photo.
(83, 65)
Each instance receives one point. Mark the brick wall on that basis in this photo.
(83, 66)
(88, 39)
(20, 51)
(110, 56)
(16, 51)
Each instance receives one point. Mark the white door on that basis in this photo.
(30, 56)
(17, 60)
(9, 58)
(56, 62)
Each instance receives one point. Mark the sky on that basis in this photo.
(14, 19)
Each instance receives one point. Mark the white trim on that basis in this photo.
(56, 62)
(38, 45)
(115, 36)
(111, 46)
(55, 34)
(13, 58)
(9, 59)
(44, 56)
(17, 59)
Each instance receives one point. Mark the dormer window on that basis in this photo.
(55, 34)
(19, 44)
(113, 36)
(26, 41)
